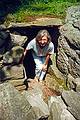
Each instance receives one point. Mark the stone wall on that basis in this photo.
(68, 57)
(11, 51)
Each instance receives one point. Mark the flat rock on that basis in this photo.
(39, 22)
(72, 99)
(34, 97)
(13, 106)
(77, 84)
(18, 40)
(58, 109)
(11, 72)
(13, 56)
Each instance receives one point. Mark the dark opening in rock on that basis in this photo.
(31, 32)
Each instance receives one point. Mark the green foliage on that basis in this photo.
(42, 8)
(46, 1)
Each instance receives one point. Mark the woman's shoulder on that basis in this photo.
(51, 44)
(33, 40)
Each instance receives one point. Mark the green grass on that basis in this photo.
(55, 9)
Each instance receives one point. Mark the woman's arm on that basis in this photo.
(47, 59)
(50, 52)
(44, 67)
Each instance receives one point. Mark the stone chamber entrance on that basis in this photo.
(31, 32)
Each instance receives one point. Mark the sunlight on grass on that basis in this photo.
(55, 9)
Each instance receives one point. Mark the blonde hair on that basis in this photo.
(42, 33)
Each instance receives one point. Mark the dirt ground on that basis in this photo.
(47, 91)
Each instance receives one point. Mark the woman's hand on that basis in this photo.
(44, 67)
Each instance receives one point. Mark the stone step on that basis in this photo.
(18, 84)
(21, 88)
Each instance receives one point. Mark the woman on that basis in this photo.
(42, 48)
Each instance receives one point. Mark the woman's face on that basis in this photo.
(43, 41)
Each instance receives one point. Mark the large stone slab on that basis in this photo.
(18, 40)
(11, 72)
(77, 24)
(77, 84)
(71, 34)
(58, 109)
(73, 14)
(74, 68)
(16, 82)
(45, 21)
(72, 100)
(68, 57)
(34, 97)
(73, 83)
(13, 106)
(13, 56)
(70, 82)
(2, 27)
